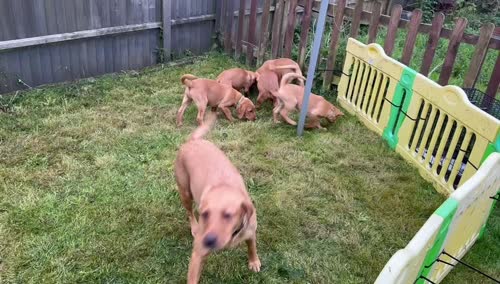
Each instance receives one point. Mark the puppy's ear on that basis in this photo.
(247, 211)
(242, 110)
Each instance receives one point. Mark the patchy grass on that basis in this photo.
(87, 192)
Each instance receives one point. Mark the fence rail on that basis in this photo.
(49, 41)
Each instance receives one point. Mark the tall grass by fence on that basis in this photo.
(48, 41)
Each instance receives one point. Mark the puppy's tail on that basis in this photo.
(294, 67)
(203, 129)
(187, 79)
(289, 77)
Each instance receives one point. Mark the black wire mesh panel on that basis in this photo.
(482, 101)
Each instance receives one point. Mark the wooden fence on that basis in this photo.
(48, 41)
(276, 36)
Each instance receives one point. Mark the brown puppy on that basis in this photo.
(269, 74)
(290, 97)
(205, 92)
(226, 213)
(239, 79)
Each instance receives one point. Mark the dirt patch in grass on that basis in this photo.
(87, 192)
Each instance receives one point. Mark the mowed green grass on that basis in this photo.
(87, 192)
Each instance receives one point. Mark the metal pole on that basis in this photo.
(320, 26)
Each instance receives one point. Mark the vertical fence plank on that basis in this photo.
(304, 32)
(432, 43)
(264, 31)
(332, 54)
(278, 18)
(222, 20)
(218, 5)
(451, 55)
(283, 24)
(82, 24)
(228, 45)
(108, 46)
(252, 23)
(290, 29)
(493, 85)
(241, 21)
(479, 54)
(356, 19)
(374, 22)
(41, 26)
(392, 29)
(411, 36)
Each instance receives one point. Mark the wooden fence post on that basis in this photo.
(332, 53)
(493, 85)
(411, 36)
(252, 23)
(277, 20)
(304, 33)
(432, 43)
(228, 45)
(451, 55)
(290, 29)
(239, 35)
(356, 19)
(375, 20)
(167, 29)
(392, 29)
(264, 31)
(479, 55)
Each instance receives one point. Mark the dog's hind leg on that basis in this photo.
(186, 101)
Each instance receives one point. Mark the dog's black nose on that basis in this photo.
(210, 241)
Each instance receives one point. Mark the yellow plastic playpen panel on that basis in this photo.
(474, 206)
(435, 128)
(455, 133)
(365, 89)
(404, 266)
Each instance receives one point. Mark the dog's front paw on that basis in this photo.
(254, 265)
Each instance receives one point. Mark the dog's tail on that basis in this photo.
(289, 77)
(294, 67)
(187, 79)
(203, 129)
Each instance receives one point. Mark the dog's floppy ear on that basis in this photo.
(242, 109)
(247, 211)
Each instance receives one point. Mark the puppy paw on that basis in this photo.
(254, 265)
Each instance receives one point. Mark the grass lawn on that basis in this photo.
(87, 192)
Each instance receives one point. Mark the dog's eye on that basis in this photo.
(205, 215)
(226, 216)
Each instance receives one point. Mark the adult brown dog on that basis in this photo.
(290, 98)
(239, 79)
(205, 92)
(269, 74)
(226, 213)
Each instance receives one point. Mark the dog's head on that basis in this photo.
(246, 109)
(333, 114)
(224, 214)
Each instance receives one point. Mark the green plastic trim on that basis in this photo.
(491, 148)
(481, 233)
(396, 118)
(447, 212)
